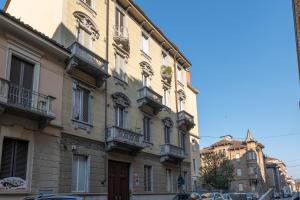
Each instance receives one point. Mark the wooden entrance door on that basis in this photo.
(118, 181)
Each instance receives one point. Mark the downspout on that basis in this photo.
(105, 90)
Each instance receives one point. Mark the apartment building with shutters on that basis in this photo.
(31, 87)
(129, 114)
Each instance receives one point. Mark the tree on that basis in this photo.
(216, 171)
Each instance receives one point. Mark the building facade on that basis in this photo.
(277, 177)
(31, 87)
(248, 160)
(128, 111)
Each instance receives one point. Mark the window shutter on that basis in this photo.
(85, 105)
(91, 104)
(7, 158)
(15, 71)
(76, 102)
(125, 119)
(20, 167)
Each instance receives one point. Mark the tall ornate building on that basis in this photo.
(296, 11)
(128, 124)
(248, 160)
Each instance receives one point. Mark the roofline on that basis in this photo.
(159, 31)
(26, 28)
(6, 5)
(195, 90)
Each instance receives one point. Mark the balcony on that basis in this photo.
(149, 101)
(88, 62)
(125, 140)
(121, 37)
(185, 121)
(171, 153)
(25, 103)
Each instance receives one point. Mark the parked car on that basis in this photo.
(238, 196)
(52, 197)
(187, 196)
(227, 196)
(212, 196)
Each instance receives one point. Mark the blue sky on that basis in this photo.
(244, 64)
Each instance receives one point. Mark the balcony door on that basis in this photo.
(21, 82)
(119, 21)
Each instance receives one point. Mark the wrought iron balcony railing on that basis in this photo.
(120, 138)
(18, 98)
(121, 33)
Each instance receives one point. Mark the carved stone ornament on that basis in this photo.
(167, 121)
(181, 94)
(87, 24)
(120, 99)
(146, 68)
(12, 183)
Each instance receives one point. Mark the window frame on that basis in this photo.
(239, 172)
(120, 71)
(164, 58)
(169, 177)
(146, 186)
(87, 172)
(147, 134)
(145, 37)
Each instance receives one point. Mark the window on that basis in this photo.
(179, 74)
(194, 145)
(164, 58)
(119, 19)
(81, 104)
(147, 130)
(181, 104)
(90, 3)
(239, 172)
(251, 155)
(237, 157)
(194, 165)
(185, 186)
(145, 80)
(145, 43)
(241, 187)
(167, 134)
(121, 119)
(80, 173)
(182, 141)
(21, 82)
(14, 158)
(85, 38)
(166, 97)
(253, 170)
(120, 69)
(169, 180)
(147, 178)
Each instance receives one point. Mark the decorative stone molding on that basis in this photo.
(87, 24)
(120, 99)
(167, 121)
(181, 94)
(87, 7)
(146, 69)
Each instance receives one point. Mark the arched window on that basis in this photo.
(168, 125)
(87, 30)
(121, 104)
(181, 100)
(147, 73)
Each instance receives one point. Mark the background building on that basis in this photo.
(128, 114)
(248, 160)
(277, 177)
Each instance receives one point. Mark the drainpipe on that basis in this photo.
(105, 90)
